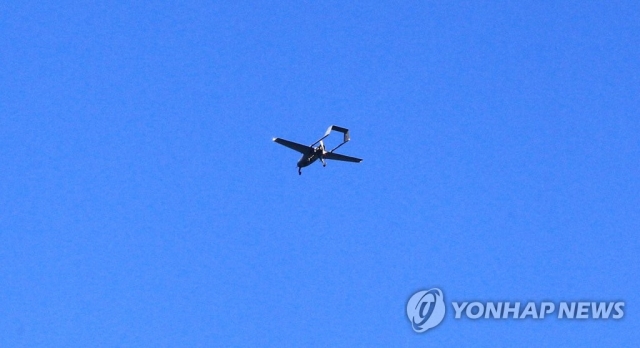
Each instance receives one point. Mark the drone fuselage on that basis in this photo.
(310, 157)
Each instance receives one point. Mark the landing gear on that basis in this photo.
(299, 171)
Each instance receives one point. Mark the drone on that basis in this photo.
(312, 153)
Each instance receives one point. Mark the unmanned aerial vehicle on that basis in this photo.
(312, 153)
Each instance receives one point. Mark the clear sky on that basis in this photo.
(143, 204)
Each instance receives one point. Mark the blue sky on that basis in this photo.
(142, 202)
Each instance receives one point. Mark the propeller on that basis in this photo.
(322, 148)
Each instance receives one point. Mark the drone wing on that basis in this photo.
(294, 146)
(339, 157)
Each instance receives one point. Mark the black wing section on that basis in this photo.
(294, 146)
(339, 157)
